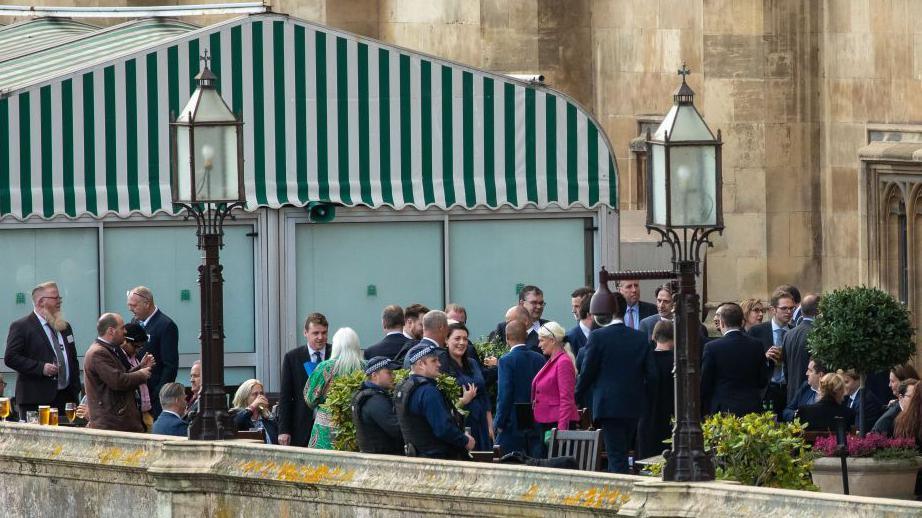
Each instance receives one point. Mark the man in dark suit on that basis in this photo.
(618, 380)
(40, 348)
(862, 401)
(392, 320)
(771, 334)
(809, 390)
(664, 306)
(636, 309)
(578, 335)
(170, 422)
(531, 299)
(733, 368)
(517, 369)
(162, 343)
(794, 353)
(295, 418)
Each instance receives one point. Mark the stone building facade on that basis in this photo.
(818, 102)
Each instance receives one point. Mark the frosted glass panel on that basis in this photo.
(693, 182)
(166, 260)
(67, 256)
(350, 271)
(489, 258)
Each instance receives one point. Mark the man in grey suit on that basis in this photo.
(794, 353)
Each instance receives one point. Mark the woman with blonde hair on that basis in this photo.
(251, 410)
(822, 415)
(753, 313)
(552, 390)
(345, 358)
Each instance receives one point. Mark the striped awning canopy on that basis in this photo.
(328, 116)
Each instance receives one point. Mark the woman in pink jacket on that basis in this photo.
(553, 386)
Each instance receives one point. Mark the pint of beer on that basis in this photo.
(53, 417)
(4, 407)
(44, 414)
(71, 410)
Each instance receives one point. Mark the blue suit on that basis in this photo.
(516, 370)
(169, 424)
(619, 377)
(163, 345)
(576, 339)
(804, 396)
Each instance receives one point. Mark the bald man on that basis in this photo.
(519, 314)
(516, 370)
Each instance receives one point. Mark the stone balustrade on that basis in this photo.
(60, 471)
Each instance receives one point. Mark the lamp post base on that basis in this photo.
(217, 426)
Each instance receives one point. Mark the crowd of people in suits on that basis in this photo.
(613, 370)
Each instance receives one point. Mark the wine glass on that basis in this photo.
(70, 409)
(4, 408)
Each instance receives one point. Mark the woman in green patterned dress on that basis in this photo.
(345, 358)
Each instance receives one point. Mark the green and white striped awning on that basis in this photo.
(328, 116)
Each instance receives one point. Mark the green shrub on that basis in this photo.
(755, 450)
(861, 328)
(339, 401)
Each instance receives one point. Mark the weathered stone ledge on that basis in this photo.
(77, 472)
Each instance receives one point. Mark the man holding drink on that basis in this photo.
(40, 348)
(112, 394)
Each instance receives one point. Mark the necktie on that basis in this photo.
(316, 357)
(59, 353)
(630, 317)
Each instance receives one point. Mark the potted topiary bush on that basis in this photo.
(861, 328)
(877, 466)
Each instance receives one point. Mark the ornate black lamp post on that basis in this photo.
(207, 156)
(684, 208)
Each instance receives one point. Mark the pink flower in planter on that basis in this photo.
(867, 446)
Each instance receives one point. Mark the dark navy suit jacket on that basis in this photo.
(516, 370)
(163, 345)
(803, 397)
(619, 373)
(531, 340)
(576, 339)
(168, 424)
(733, 374)
(389, 347)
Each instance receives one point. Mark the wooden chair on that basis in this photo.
(585, 445)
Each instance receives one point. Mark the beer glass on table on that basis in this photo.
(44, 414)
(4, 408)
(53, 416)
(70, 410)
(32, 417)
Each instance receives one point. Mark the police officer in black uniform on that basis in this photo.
(376, 426)
(430, 424)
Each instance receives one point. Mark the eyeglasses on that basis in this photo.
(784, 308)
(59, 298)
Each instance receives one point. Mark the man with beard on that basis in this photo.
(40, 347)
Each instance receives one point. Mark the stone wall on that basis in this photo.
(69, 472)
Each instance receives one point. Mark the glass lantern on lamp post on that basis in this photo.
(684, 208)
(207, 157)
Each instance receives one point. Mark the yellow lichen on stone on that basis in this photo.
(56, 451)
(109, 455)
(529, 495)
(597, 498)
(291, 472)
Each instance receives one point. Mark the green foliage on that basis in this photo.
(861, 328)
(445, 383)
(487, 348)
(339, 401)
(755, 450)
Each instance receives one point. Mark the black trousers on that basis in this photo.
(617, 433)
(776, 398)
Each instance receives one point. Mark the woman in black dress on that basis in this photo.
(821, 416)
(656, 424)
